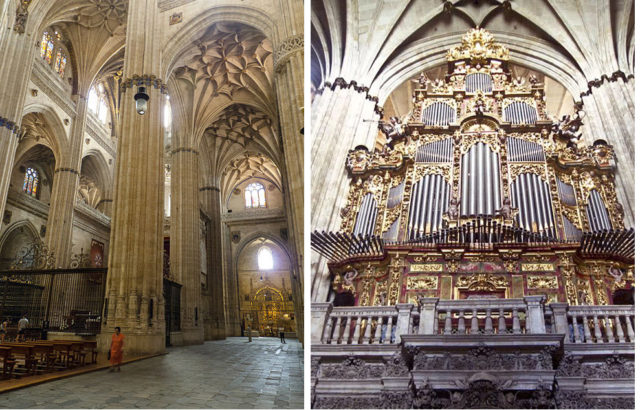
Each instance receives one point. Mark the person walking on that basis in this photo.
(3, 330)
(115, 351)
(22, 327)
(282, 335)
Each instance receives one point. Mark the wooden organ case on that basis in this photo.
(480, 195)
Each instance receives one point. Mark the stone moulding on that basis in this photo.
(287, 47)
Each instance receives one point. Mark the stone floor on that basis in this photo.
(220, 374)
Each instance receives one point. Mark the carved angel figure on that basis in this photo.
(507, 210)
(453, 211)
(423, 81)
(350, 276)
(393, 129)
(533, 80)
(616, 273)
(568, 129)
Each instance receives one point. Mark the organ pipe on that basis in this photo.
(480, 188)
(478, 81)
(519, 112)
(597, 212)
(532, 196)
(439, 113)
(429, 200)
(366, 220)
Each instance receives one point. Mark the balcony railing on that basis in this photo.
(487, 317)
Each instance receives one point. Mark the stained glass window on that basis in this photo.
(44, 43)
(265, 259)
(49, 54)
(63, 64)
(30, 185)
(58, 61)
(254, 196)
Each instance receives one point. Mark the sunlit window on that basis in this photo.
(97, 105)
(31, 181)
(167, 114)
(254, 196)
(50, 46)
(265, 259)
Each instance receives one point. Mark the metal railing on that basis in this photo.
(66, 300)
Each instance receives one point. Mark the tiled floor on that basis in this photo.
(222, 374)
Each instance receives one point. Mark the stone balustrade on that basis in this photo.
(594, 324)
(386, 324)
(367, 324)
(487, 316)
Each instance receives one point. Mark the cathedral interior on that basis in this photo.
(475, 249)
(151, 162)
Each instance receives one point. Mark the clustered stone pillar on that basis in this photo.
(342, 118)
(216, 328)
(609, 113)
(185, 235)
(134, 281)
(64, 190)
(18, 51)
(289, 79)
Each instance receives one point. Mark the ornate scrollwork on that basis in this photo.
(482, 282)
(422, 283)
(542, 282)
(518, 169)
(479, 46)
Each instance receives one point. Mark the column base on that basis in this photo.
(135, 343)
(193, 336)
(214, 333)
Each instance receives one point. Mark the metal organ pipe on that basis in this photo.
(519, 112)
(480, 181)
(566, 193)
(478, 81)
(438, 113)
(531, 195)
(429, 199)
(597, 212)
(366, 219)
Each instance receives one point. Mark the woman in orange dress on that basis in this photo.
(117, 342)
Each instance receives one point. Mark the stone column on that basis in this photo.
(319, 315)
(134, 282)
(185, 235)
(233, 322)
(427, 315)
(609, 116)
(404, 319)
(210, 199)
(535, 314)
(64, 190)
(18, 51)
(559, 310)
(289, 79)
(342, 118)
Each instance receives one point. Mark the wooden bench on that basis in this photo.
(24, 351)
(8, 362)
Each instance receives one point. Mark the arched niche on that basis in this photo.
(41, 159)
(17, 237)
(95, 180)
(265, 295)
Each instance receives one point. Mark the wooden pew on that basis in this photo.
(25, 352)
(8, 362)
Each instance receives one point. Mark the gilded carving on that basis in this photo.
(395, 272)
(426, 267)
(537, 267)
(422, 282)
(542, 282)
(601, 292)
(479, 46)
(584, 294)
(518, 169)
(482, 282)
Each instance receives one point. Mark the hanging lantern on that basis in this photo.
(142, 99)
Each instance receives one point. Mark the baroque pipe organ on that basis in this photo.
(479, 194)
